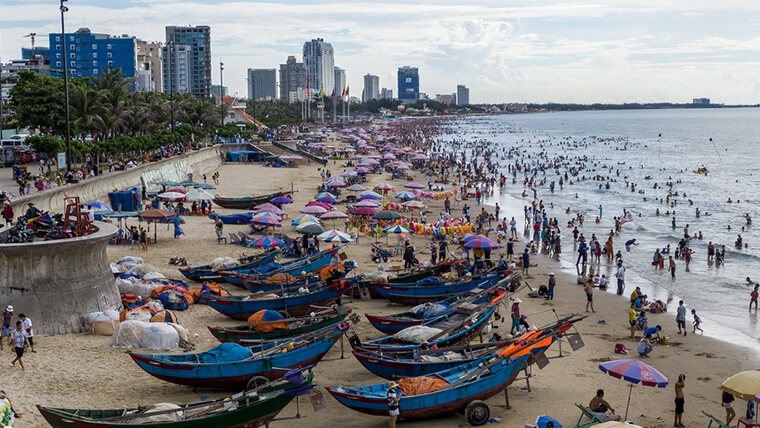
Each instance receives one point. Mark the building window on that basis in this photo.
(108, 46)
(71, 37)
(73, 63)
(58, 55)
(94, 54)
(110, 63)
(94, 63)
(57, 47)
(94, 70)
(72, 55)
(58, 39)
(109, 55)
(58, 63)
(94, 47)
(72, 47)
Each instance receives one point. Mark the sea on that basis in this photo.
(645, 147)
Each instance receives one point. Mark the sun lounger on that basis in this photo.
(587, 413)
(716, 420)
(234, 239)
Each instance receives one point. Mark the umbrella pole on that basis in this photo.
(628, 404)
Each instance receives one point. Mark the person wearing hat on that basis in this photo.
(7, 321)
(551, 284)
(394, 396)
(515, 316)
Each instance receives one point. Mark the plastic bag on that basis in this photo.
(140, 334)
(131, 259)
(417, 334)
(166, 416)
(223, 263)
(429, 310)
(153, 276)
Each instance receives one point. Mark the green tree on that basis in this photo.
(46, 144)
(38, 102)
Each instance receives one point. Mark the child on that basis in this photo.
(697, 322)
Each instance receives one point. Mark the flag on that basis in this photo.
(322, 92)
(333, 93)
(343, 93)
(347, 90)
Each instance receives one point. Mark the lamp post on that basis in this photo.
(170, 46)
(221, 91)
(65, 9)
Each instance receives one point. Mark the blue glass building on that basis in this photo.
(408, 85)
(90, 54)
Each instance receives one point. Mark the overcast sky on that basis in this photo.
(505, 51)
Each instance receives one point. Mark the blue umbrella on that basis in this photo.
(99, 206)
(543, 420)
(281, 200)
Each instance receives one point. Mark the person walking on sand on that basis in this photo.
(6, 328)
(679, 400)
(727, 401)
(526, 261)
(696, 323)
(551, 283)
(515, 316)
(681, 317)
(28, 330)
(620, 275)
(672, 267)
(589, 289)
(753, 297)
(18, 340)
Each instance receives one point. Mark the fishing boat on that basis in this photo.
(306, 264)
(207, 272)
(421, 314)
(448, 391)
(412, 276)
(423, 292)
(457, 328)
(422, 362)
(231, 366)
(270, 330)
(246, 202)
(332, 271)
(288, 301)
(252, 408)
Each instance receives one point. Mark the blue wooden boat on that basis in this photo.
(477, 380)
(422, 362)
(290, 302)
(306, 264)
(414, 294)
(457, 328)
(391, 324)
(231, 366)
(279, 282)
(207, 272)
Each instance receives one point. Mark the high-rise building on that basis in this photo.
(89, 54)
(292, 80)
(320, 65)
(39, 51)
(408, 84)
(175, 70)
(371, 88)
(386, 94)
(219, 90)
(446, 99)
(197, 41)
(463, 95)
(262, 84)
(149, 66)
(340, 81)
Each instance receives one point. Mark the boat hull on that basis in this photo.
(230, 335)
(246, 203)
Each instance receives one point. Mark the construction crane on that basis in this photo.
(32, 36)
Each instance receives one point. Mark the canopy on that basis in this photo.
(387, 215)
(396, 229)
(267, 242)
(364, 211)
(743, 385)
(172, 196)
(157, 214)
(187, 183)
(199, 195)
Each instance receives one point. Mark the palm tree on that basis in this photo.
(86, 108)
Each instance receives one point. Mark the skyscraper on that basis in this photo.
(463, 95)
(90, 54)
(262, 84)
(149, 66)
(292, 80)
(340, 81)
(371, 88)
(408, 84)
(175, 70)
(197, 43)
(386, 94)
(320, 65)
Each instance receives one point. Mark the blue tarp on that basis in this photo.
(242, 218)
(429, 310)
(429, 280)
(173, 301)
(126, 200)
(268, 267)
(229, 351)
(245, 156)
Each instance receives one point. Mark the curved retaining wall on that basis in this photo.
(57, 283)
(96, 189)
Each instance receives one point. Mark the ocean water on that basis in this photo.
(645, 147)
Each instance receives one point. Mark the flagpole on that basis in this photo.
(335, 108)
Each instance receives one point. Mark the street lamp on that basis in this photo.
(170, 49)
(65, 9)
(221, 90)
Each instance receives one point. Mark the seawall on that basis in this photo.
(175, 168)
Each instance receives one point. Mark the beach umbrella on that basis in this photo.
(370, 195)
(313, 209)
(291, 157)
(167, 183)
(356, 188)
(389, 156)
(268, 207)
(364, 211)
(281, 200)
(362, 170)
(263, 213)
(157, 214)
(467, 237)
(319, 204)
(368, 203)
(267, 242)
(199, 195)
(268, 210)
(348, 174)
(99, 206)
(321, 194)
(335, 236)
(414, 185)
(743, 385)
(543, 420)
(327, 199)
(406, 196)
(310, 229)
(403, 165)
(413, 205)
(396, 229)
(268, 221)
(481, 242)
(419, 157)
(336, 182)
(385, 187)
(187, 183)
(387, 215)
(305, 218)
(172, 196)
(333, 215)
(634, 371)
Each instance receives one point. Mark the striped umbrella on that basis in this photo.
(326, 198)
(364, 211)
(320, 204)
(634, 371)
(313, 209)
(356, 188)
(335, 236)
(413, 205)
(306, 218)
(406, 196)
(348, 174)
(414, 186)
(268, 221)
(481, 243)
(332, 215)
(396, 229)
(269, 207)
(269, 210)
(385, 187)
(336, 182)
(266, 214)
(368, 203)
(370, 195)
(281, 200)
(267, 242)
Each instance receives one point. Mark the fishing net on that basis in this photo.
(417, 334)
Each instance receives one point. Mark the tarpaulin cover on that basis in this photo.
(429, 280)
(267, 315)
(241, 218)
(417, 334)
(421, 385)
(268, 267)
(225, 352)
(164, 316)
(173, 300)
(429, 310)
(125, 200)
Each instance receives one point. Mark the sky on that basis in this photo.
(577, 51)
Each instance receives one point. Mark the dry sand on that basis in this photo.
(84, 371)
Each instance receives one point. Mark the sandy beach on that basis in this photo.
(85, 371)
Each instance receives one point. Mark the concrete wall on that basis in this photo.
(97, 189)
(57, 283)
